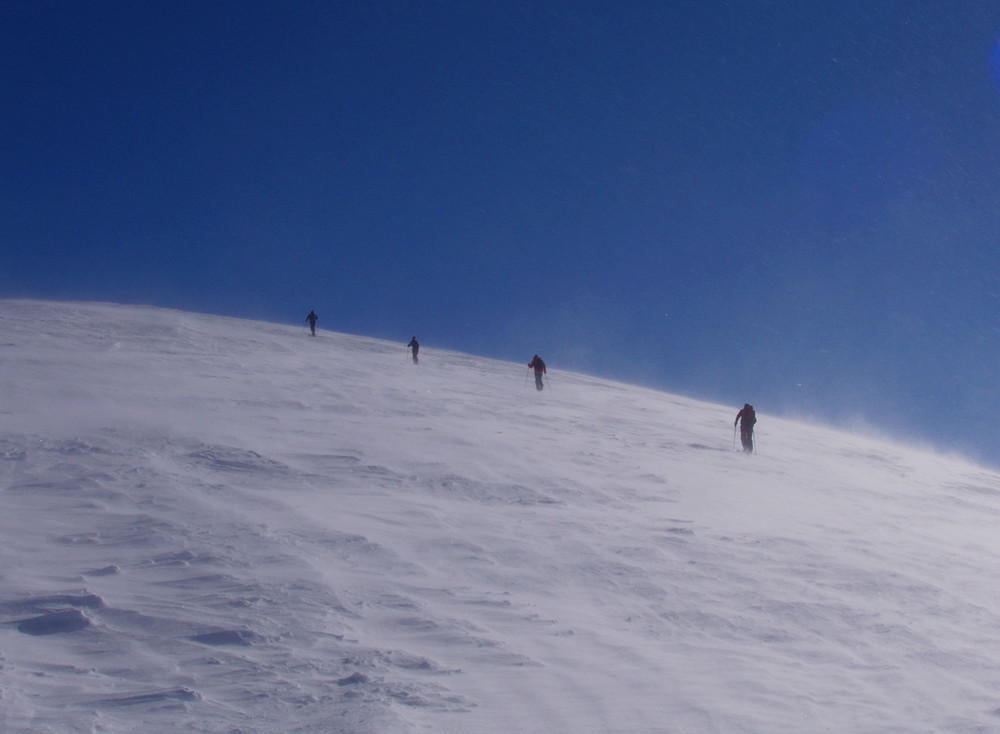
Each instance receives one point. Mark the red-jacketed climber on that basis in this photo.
(539, 366)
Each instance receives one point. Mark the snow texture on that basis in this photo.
(215, 525)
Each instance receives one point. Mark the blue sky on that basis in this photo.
(792, 204)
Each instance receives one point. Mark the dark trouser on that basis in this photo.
(538, 380)
(746, 436)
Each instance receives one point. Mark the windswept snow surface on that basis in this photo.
(214, 525)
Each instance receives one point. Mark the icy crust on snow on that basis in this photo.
(168, 605)
(216, 525)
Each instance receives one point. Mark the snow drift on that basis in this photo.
(214, 525)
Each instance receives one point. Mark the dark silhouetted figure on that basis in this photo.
(539, 366)
(415, 346)
(311, 318)
(746, 418)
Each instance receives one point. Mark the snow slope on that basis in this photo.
(214, 525)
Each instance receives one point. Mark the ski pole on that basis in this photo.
(734, 437)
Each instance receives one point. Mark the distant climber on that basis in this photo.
(415, 346)
(539, 366)
(746, 418)
(311, 318)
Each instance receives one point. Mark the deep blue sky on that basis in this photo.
(793, 204)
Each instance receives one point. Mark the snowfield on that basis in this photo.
(216, 525)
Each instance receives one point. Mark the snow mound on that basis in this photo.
(218, 525)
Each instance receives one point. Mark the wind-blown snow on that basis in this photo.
(214, 525)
